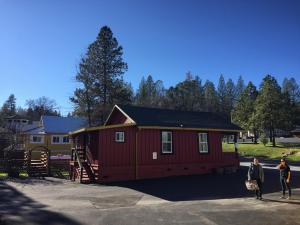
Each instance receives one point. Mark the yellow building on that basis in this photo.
(52, 132)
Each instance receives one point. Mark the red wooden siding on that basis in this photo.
(128, 161)
(117, 160)
(185, 159)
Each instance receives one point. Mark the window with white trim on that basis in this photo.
(203, 142)
(166, 142)
(60, 139)
(55, 139)
(65, 140)
(119, 136)
(37, 139)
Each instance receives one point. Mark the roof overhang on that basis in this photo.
(89, 129)
(189, 128)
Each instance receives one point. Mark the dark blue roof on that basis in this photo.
(57, 124)
(144, 116)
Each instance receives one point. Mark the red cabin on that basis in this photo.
(139, 143)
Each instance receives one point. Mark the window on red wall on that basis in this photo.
(203, 142)
(119, 136)
(166, 142)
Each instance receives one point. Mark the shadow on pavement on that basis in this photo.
(206, 187)
(16, 208)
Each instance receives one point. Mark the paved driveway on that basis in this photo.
(204, 199)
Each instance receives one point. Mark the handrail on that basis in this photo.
(88, 152)
(77, 158)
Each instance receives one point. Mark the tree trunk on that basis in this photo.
(88, 108)
(104, 95)
(273, 139)
(255, 136)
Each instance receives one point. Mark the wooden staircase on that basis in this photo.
(38, 167)
(81, 169)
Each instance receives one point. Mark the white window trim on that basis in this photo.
(61, 137)
(35, 142)
(203, 142)
(63, 140)
(123, 135)
(168, 142)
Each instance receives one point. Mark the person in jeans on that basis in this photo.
(256, 173)
(285, 178)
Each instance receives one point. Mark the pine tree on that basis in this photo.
(101, 74)
(150, 93)
(9, 106)
(240, 87)
(244, 110)
(291, 88)
(222, 94)
(210, 97)
(271, 107)
(84, 98)
(229, 96)
(187, 95)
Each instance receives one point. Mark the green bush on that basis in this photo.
(263, 139)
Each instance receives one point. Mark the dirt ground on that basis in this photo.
(201, 199)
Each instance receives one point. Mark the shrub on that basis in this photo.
(263, 139)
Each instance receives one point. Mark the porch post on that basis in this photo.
(236, 144)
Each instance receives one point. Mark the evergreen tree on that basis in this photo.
(187, 95)
(240, 87)
(229, 96)
(210, 97)
(9, 106)
(291, 89)
(103, 84)
(222, 94)
(244, 110)
(150, 93)
(84, 98)
(271, 107)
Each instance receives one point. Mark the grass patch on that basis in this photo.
(259, 150)
(23, 174)
(3, 174)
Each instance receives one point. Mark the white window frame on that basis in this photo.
(36, 142)
(164, 151)
(60, 139)
(202, 143)
(119, 136)
(55, 136)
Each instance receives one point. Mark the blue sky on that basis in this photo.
(41, 41)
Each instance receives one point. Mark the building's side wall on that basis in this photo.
(185, 159)
(55, 149)
(116, 160)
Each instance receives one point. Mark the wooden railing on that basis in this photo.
(89, 163)
(76, 157)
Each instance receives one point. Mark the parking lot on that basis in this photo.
(201, 199)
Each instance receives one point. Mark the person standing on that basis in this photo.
(256, 173)
(285, 178)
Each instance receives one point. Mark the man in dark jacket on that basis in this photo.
(285, 177)
(256, 173)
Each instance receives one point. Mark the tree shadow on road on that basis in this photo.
(206, 187)
(17, 208)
